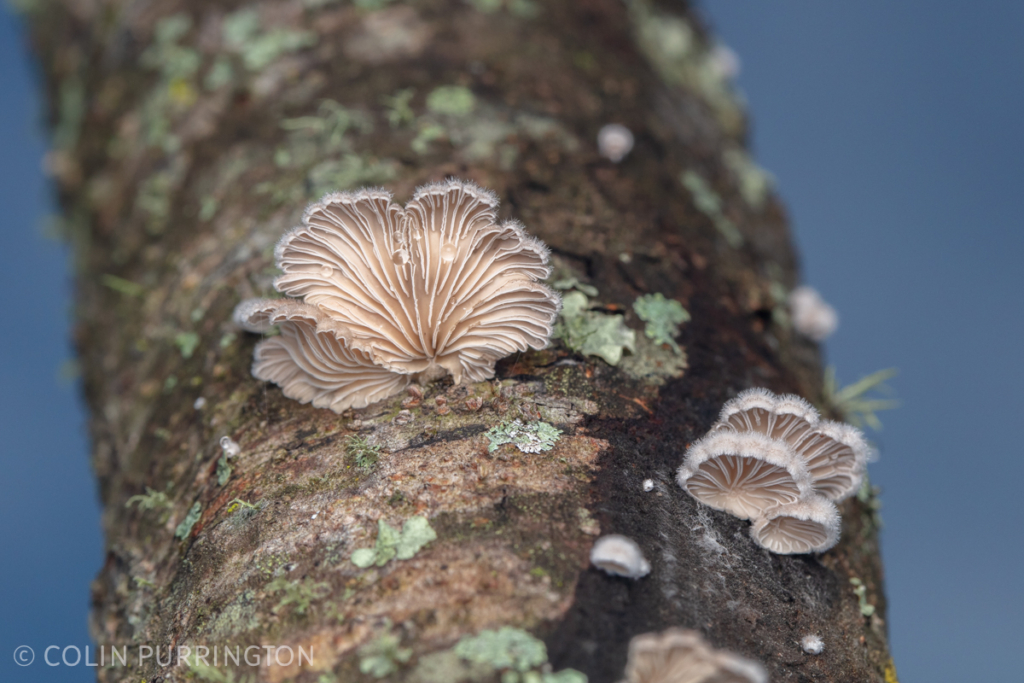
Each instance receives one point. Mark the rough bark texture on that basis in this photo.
(189, 134)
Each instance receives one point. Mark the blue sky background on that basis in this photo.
(895, 132)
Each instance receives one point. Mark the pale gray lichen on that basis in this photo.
(709, 203)
(519, 656)
(183, 529)
(592, 333)
(299, 594)
(257, 48)
(755, 182)
(451, 100)
(382, 656)
(187, 342)
(391, 544)
(150, 500)
(662, 317)
(860, 590)
(224, 471)
(531, 437)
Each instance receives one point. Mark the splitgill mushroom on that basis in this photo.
(738, 467)
(813, 317)
(311, 360)
(808, 526)
(683, 656)
(619, 556)
(437, 287)
(743, 473)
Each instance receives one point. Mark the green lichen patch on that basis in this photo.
(383, 655)
(259, 48)
(183, 529)
(755, 182)
(150, 500)
(709, 203)
(451, 100)
(572, 282)
(593, 333)
(416, 533)
(223, 471)
(662, 317)
(299, 595)
(511, 652)
(531, 437)
(363, 454)
(186, 343)
(860, 590)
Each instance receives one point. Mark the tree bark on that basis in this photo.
(190, 135)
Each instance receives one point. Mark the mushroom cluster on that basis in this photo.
(386, 294)
(683, 656)
(773, 460)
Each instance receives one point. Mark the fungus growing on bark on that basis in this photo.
(614, 142)
(773, 460)
(619, 556)
(437, 287)
(683, 656)
(812, 644)
(810, 525)
(812, 316)
(743, 473)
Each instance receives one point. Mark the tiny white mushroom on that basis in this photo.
(683, 656)
(812, 644)
(648, 484)
(619, 556)
(811, 525)
(200, 403)
(230, 447)
(614, 142)
(743, 473)
(812, 316)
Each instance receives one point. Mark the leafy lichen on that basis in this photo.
(709, 203)
(364, 455)
(451, 100)
(391, 544)
(592, 333)
(531, 437)
(183, 529)
(662, 317)
(299, 594)
(257, 48)
(755, 182)
(150, 500)
(186, 343)
(382, 656)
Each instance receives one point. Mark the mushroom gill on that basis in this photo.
(683, 656)
(436, 286)
(743, 473)
(808, 526)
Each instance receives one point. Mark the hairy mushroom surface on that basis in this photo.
(683, 656)
(836, 455)
(436, 286)
(743, 473)
(619, 556)
(311, 360)
(809, 526)
(785, 417)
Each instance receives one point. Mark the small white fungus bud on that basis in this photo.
(648, 484)
(200, 403)
(231, 447)
(812, 644)
(619, 556)
(812, 316)
(614, 142)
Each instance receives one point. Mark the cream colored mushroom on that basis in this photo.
(786, 417)
(436, 286)
(812, 316)
(836, 455)
(683, 656)
(743, 473)
(311, 359)
(619, 556)
(808, 526)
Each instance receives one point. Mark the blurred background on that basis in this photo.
(894, 132)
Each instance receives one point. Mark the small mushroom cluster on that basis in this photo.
(391, 293)
(773, 460)
(683, 656)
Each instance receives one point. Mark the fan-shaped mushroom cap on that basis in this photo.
(836, 455)
(620, 556)
(786, 417)
(438, 284)
(809, 526)
(311, 360)
(743, 473)
(683, 656)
